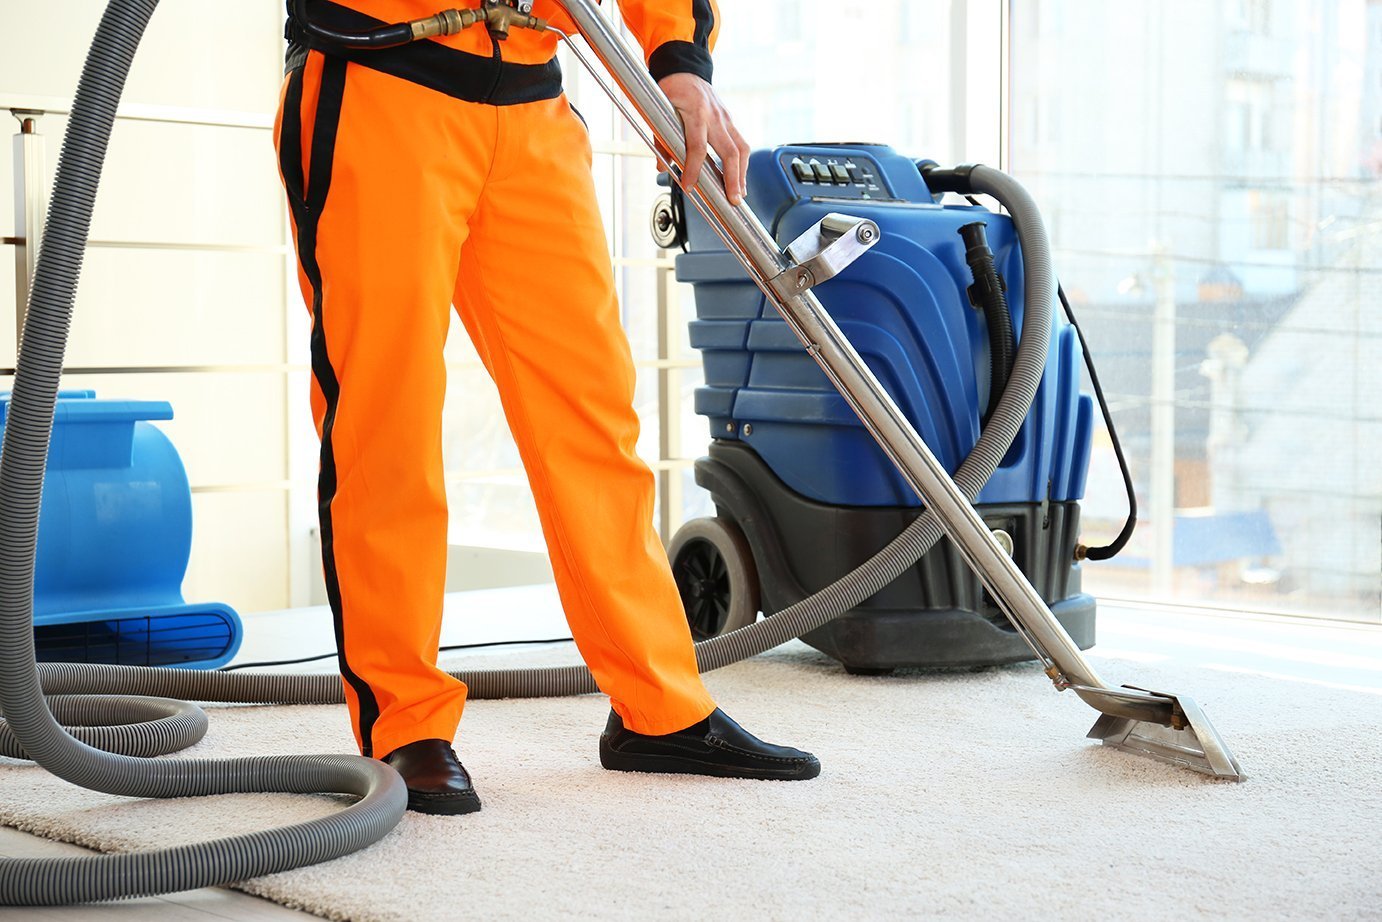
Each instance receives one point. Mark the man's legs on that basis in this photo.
(381, 176)
(536, 293)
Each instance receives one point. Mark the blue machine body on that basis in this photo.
(114, 539)
(904, 307)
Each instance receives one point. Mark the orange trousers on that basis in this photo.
(406, 201)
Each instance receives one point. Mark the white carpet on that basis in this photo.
(958, 795)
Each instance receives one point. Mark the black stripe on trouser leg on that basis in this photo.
(307, 204)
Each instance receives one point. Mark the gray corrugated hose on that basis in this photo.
(383, 797)
(108, 758)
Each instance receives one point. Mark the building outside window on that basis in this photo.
(1239, 160)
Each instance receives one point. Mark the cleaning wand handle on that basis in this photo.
(756, 249)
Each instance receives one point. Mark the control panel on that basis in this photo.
(837, 176)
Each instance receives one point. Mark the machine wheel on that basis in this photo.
(715, 575)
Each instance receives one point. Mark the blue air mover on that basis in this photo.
(115, 535)
(803, 493)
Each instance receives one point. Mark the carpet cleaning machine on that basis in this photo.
(119, 716)
(803, 493)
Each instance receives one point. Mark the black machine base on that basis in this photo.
(876, 642)
(936, 614)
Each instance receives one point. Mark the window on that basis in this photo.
(1258, 193)
(1269, 216)
(1254, 15)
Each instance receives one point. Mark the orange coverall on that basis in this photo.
(453, 172)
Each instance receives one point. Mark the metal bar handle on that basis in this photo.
(761, 256)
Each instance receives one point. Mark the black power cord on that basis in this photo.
(455, 646)
(1118, 543)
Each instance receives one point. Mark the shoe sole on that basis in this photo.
(443, 804)
(679, 765)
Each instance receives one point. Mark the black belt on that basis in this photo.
(460, 74)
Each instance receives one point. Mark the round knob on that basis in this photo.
(665, 226)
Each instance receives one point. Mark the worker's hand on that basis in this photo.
(706, 121)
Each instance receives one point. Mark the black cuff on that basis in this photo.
(680, 58)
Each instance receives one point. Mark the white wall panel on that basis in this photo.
(179, 185)
(147, 308)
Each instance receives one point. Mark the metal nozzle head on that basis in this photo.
(1186, 738)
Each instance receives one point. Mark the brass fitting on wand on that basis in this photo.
(500, 16)
(447, 22)
(497, 16)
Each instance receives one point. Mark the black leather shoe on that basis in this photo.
(437, 781)
(716, 746)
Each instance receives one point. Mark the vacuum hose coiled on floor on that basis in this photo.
(109, 752)
(383, 797)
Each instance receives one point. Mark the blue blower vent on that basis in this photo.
(114, 537)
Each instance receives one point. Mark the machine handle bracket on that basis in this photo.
(823, 252)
